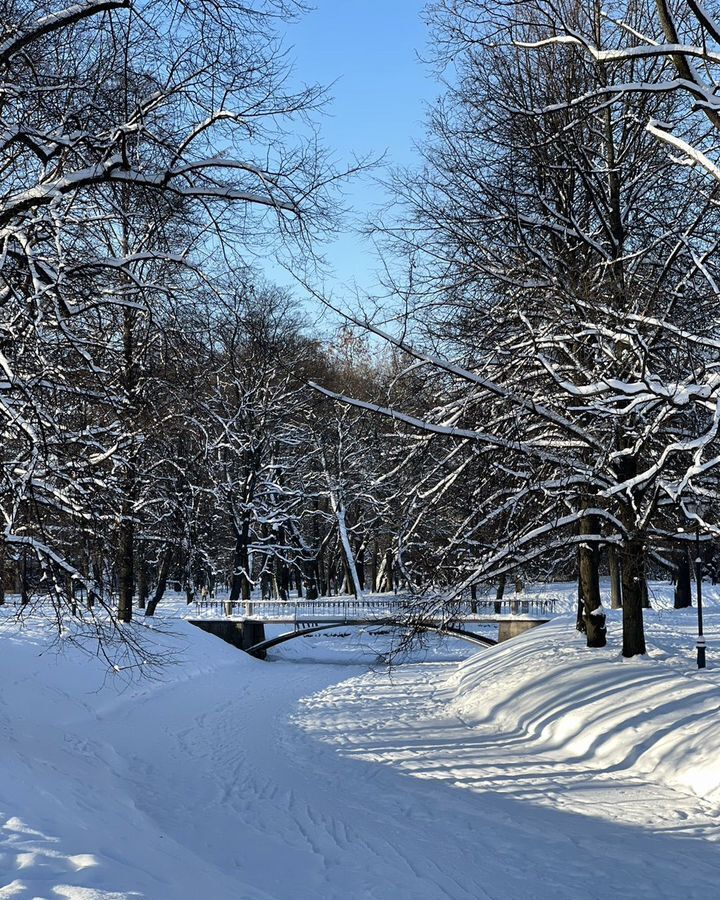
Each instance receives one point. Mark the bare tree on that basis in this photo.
(567, 323)
(143, 145)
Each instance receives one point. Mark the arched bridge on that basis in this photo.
(243, 625)
(472, 637)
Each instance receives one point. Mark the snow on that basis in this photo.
(535, 769)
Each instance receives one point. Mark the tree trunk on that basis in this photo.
(162, 582)
(282, 570)
(97, 574)
(593, 613)
(500, 593)
(380, 579)
(580, 610)
(283, 581)
(240, 585)
(2, 570)
(327, 590)
(266, 586)
(70, 591)
(143, 588)
(389, 574)
(312, 580)
(24, 587)
(126, 564)
(683, 595)
(126, 536)
(360, 565)
(615, 583)
(632, 564)
(644, 589)
(351, 573)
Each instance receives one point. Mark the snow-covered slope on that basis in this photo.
(655, 716)
(71, 822)
(534, 770)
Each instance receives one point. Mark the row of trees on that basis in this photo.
(562, 287)
(157, 421)
(150, 150)
(552, 395)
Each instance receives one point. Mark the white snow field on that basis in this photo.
(535, 769)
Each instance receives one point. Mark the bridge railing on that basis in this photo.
(374, 607)
(322, 608)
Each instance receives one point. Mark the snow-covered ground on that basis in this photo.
(535, 769)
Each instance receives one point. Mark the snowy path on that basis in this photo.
(291, 817)
(285, 814)
(297, 781)
(525, 826)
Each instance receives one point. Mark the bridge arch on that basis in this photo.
(462, 634)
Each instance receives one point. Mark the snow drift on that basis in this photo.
(654, 715)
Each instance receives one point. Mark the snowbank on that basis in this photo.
(656, 716)
(73, 819)
(446, 779)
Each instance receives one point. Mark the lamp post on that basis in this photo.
(701, 662)
(694, 509)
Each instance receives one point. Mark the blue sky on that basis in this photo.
(368, 51)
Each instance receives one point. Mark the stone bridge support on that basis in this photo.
(509, 628)
(242, 635)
